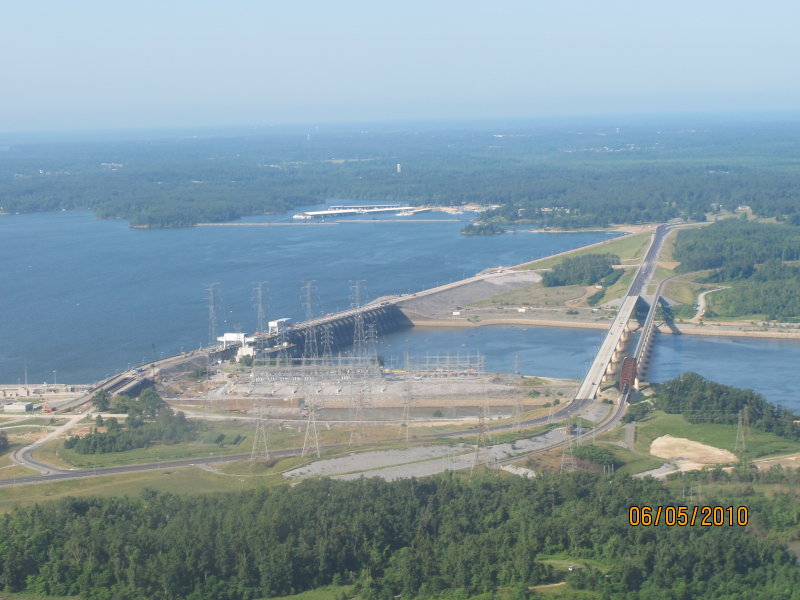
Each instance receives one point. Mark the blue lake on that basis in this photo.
(84, 298)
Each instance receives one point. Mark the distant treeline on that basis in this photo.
(586, 269)
(702, 401)
(751, 255)
(413, 539)
(543, 176)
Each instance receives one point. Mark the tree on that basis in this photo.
(101, 400)
(4, 445)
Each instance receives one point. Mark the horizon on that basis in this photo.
(92, 66)
(554, 122)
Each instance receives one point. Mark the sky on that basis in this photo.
(172, 63)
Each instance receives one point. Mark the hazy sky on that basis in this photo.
(115, 64)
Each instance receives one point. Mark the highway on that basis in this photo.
(594, 377)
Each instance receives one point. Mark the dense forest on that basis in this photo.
(704, 401)
(406, 539)
(548, 175)
(581, 270)
(750, 255)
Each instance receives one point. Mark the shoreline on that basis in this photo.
(683, 329)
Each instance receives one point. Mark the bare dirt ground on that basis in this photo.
(790, 460)
(689, 455)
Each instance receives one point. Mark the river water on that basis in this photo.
(83, 298)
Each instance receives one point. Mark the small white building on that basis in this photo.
(18, 407)
(278, 325)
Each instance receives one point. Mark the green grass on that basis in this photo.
(535, 295)
(683, 290)
(55, 453)
(659, 423)
(189, 480)
(632, 461)
(629, 248)
(329, 592)
(259, 468)
(620, 287)
(16, 472)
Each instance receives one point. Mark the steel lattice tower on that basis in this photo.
(310, 343)
(261, 437)
(213, 300)
(481, 450)
(408, 398)
(568, 454)
(327, 341)
(359, 333)
(311, 431)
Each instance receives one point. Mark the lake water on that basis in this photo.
(86, 298)
(765, 365)
(83, 298)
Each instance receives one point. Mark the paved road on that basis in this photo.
(593, 380)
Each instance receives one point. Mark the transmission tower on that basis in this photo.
(481, 450)
(260, 300)
(213, 301)
(519, 408)
(359, 334)
(408, 398)
(568, 454)
(327, 341)
(371, 340)
(359, 436)
(516, 364)
(261, 438)
(311, 431)
(741, 432)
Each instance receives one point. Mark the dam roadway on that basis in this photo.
(597, 371)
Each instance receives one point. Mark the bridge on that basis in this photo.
(340, 211)
(612, 350)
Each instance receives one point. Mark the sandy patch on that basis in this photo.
(790, 460)
(687, 454)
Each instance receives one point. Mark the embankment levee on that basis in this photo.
(681, 329)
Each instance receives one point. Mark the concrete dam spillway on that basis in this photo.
(340, 329)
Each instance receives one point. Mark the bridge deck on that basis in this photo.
(591, 383)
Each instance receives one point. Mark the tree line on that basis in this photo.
(586, 269)
(700, 400)
(751, 256)
(411, 539)
(548, 177)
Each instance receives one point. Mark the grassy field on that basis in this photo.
(620, 288)
(16, 472)
(720, 436)
(629, 248)
(535, 295)
(191, 480)
(55, 453)
(632, 461)
(684, 290)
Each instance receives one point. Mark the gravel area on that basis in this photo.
(367, 461)
(399, 464)
(597, 413)
(438, 304)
